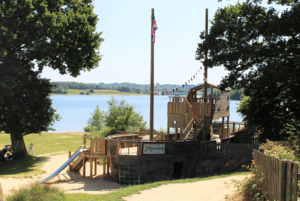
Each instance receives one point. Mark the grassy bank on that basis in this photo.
(45, 143)
(98, 92)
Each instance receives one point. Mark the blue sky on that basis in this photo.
(126, 27)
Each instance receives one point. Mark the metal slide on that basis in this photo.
(63, 166)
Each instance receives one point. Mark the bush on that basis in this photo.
(88, 128)
(252, 187)
(81, 93)
(37, 192)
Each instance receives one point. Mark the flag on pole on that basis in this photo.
(154, 28)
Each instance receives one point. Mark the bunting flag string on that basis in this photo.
(182, 86)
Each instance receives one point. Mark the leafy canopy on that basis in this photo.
(96, 122)
(260, 48)
(59, 34)
(119, 117)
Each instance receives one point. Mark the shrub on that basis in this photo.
(88, 128)
(81, 93)
(252, 187)
(37, 192)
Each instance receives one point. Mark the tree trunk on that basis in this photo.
(18, 144)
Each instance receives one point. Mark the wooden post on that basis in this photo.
(222, 127)
(91, 168)
(104, 168)
(152, 80)
(70, 163)
(107, 165)
(205, 58)
(95, 170)
(283, 180)
(92, 146)
(233, 128)
(289, 181)
(228, 129)
(83, 167)
(118, 147)
(295, 182)
(84, 141)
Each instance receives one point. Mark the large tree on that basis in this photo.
(60, 34)
(260, 47)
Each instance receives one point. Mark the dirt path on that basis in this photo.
(213, 190)
(69, 182)
(209, 190)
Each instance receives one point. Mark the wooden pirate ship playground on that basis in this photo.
(132, 158)
(147, 156)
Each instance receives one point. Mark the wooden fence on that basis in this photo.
(232, 150)
(281, 176)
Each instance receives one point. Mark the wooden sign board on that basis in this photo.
(153, 148)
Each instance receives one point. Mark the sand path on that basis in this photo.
(213, 190)
(69, 182)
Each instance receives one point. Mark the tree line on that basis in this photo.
(63, 87)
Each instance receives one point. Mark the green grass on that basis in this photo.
(46, 143)
(43, 144)
(37, 192)
(22, 168)
(124, 192)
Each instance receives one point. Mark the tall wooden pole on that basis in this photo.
(205, 58)
(152, 80)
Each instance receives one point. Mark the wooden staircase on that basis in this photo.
(78, 163)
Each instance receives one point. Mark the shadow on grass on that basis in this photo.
(26, 167)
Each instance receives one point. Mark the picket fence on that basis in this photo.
(281, 176)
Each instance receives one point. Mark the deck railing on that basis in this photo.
(211, 149)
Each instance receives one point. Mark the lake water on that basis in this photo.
(75, 110)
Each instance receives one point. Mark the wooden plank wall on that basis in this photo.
(281, 177)
(232, 150)
(201, 109)
(222, 106)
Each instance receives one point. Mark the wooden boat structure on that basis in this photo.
(131, 158)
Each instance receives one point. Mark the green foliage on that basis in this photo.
(96, 122)
(234, 94)
(254, 188)
(57, 34)
(262, 59)
(121, 116)
(37, 192)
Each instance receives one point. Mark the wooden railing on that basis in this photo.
(211, 149)
(129, 147)
(188, 129)
(281, 176)
(208, 100)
